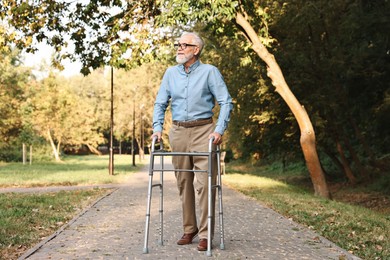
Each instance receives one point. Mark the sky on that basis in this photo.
(43, 55)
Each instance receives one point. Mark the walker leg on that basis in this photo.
(219, 187)
(147, 222)
(161, 209)
(210, 213)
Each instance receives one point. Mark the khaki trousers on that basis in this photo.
(193, 139)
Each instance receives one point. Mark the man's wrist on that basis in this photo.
(157, 129)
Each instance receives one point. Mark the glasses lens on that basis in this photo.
(182, 46)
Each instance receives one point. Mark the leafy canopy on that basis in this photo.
(120, 33)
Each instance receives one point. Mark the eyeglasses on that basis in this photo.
(183, 46)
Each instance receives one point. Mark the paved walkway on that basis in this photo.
(113, 228)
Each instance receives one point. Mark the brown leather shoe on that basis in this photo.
(202, 246)
(187, 238)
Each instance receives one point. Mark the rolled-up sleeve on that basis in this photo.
(223, 98)
(160, 105)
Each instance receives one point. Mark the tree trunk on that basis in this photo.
(24, 153)
(93, 149)
(361, 169)
(31, 154)
(307, 132)
(58, 148)
(333, 157)
(347, 169)
(53, 146)
(373, 161)
(140, 150)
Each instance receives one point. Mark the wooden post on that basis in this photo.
(30, 154)
(24, 153)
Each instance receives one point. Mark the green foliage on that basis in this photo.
(14, 80)
(335, 58)
(261, 125)
(334, 55)
(98, 32)
(135, 88)
(13, 151)
(119, 33)
(75, 111)
(382, 184)
(64, 118)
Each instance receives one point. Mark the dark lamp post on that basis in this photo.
(132, 141)
(111, 159)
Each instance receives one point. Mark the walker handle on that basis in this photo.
(154, 143)
(211, 140)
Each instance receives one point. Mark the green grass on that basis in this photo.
(363, 232)
(26, 219)
(74, 170)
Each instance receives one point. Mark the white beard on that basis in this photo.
(183, 59)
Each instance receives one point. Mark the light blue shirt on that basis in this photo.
(192, 96)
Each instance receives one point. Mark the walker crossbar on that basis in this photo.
(161, 153)
(180, 170)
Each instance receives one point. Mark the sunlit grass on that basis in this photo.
(249, 181)
(361, 231)
(74, 170)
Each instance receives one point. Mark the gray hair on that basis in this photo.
(197, 40)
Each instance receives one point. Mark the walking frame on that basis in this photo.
(162, 153)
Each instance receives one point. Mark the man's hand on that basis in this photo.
(156, 134)
(217, 138)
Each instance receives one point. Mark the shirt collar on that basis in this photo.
(191, 68)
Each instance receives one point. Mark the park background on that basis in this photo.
(334, 55)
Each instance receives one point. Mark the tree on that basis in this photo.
(97, 33)
(308, 141)
(135, 87)
(13, 82)
(62, 116)
(141, 20)
(338, 52)
(92, 108)
(261, 128)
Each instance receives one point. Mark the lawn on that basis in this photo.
(28, 218)
(360, 230)
(74, 170)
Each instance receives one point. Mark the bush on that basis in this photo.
(14, 153)
(10, 154)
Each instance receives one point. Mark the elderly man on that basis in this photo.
(192, 88)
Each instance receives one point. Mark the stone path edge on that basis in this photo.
(32, 250)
